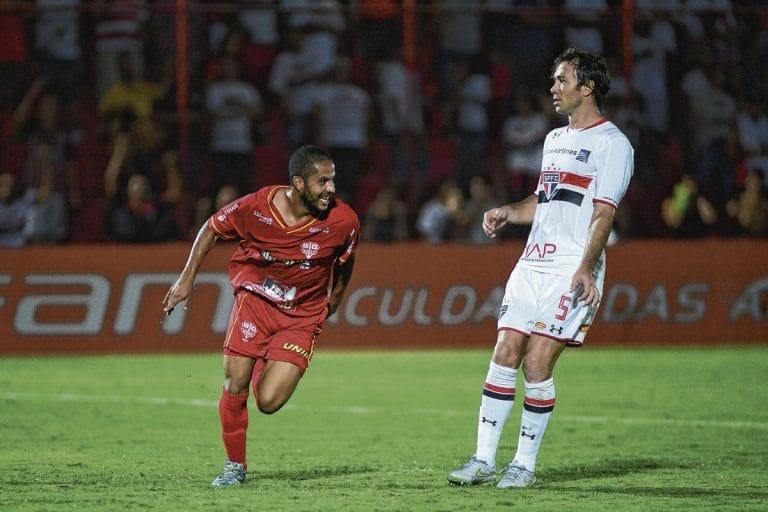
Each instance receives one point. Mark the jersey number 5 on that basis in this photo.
(563, 306)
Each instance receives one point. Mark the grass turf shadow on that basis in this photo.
(609, 468)
(314, 473)
(558, 480)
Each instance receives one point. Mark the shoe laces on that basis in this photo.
(474, 462)
(515, 470)
(231, 468)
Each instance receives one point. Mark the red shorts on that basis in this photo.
(258, 329)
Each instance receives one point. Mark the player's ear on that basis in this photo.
(589, 88)
(298, 183)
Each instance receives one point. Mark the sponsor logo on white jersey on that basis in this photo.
(583, 155)
(540, 251)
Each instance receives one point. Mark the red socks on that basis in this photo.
(233, 412)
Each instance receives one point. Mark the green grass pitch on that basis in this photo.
(633, 429)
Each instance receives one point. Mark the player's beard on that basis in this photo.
(311, 201)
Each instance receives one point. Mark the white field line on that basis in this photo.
(192, 402)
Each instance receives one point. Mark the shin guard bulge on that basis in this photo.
(233, 412)
(537, 408)
(496, 403)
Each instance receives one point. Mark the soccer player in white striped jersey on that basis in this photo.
(554, 291)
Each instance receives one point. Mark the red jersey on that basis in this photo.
(290, 266)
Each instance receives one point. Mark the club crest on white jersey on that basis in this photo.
(549, 182)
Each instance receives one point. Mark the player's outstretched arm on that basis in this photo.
(342, 273)
(181, 290)
(521, 212)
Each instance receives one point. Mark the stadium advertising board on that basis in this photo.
(107, 298)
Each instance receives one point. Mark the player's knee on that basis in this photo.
(269, 404)
(234, 388)
(506, 354)
(267, 408)
(534, 374)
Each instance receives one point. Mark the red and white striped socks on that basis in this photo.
(497, 400)
(537, 408)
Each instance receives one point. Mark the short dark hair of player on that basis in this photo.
(591, 71)
(303, 161)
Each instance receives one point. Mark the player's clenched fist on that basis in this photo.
(494, 219)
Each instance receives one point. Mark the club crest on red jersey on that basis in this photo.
(549, 182)
(248, 330)
(310, 249)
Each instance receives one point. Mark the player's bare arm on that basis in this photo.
(597, 237)
(342, 273)
(181, 290)
(515, 213)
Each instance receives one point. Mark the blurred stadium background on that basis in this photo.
(410, 96)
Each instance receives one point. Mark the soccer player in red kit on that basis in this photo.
(296, 243)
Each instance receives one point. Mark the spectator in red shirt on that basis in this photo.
(14, 66)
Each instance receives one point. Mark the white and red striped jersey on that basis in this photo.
(120, 27)
(578, 168)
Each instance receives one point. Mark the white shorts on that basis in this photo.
(539, 303)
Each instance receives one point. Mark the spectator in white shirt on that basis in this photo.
(402, 118)
(57, 38)
(752, 129)
(523, 135)
(235, 107)
(472, 122)
(293, 81)
(342, 116)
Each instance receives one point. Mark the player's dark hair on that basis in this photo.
(303, 161)
(591, 70)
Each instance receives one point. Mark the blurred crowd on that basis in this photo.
(97, 147)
